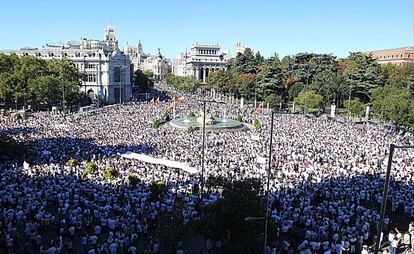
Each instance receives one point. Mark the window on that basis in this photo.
(91, 66)
(117, 74)
(92, 77)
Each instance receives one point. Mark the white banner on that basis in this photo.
(168, 163)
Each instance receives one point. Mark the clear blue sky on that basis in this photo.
(282, 26)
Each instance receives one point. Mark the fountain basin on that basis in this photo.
(218, 124)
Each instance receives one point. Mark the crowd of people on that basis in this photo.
(326, 184)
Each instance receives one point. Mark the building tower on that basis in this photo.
(110, 40)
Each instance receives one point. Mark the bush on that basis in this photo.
(110, 173)
(167, 117)
(132, 180)
(155, 124)
(190, 130)
(73, 162)
(257, 124)
(191, 114)
(240, 119)
(90, 168)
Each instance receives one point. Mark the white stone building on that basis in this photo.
(239, 48)
(137, 55)
(157, 64)
(107, 69)
(141, 61)
(200, 61)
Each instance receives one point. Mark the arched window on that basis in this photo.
(117, 74)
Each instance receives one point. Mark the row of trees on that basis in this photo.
(182, 83)
(318, 80)
(143, 80)
(32, 81)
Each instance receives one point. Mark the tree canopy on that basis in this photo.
(30, 80)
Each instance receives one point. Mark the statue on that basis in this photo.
(209, 119)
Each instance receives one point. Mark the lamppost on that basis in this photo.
(350, 92)
(63, 98)
(266, 217)
(268, 182)
(203, 142)
(385, 193)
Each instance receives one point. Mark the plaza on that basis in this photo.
(353, 183)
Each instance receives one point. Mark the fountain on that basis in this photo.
(211, 124)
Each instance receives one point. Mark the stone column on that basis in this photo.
(242, 103)
(197, 73)
(367, 113)
(204, 75)
(333, 110)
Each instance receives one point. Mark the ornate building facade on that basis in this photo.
(200, 61)
(107, 69)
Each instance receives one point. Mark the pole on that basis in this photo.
(63, 98)
(349, 98)
(384, 199)
(268, 183)
(203, 150)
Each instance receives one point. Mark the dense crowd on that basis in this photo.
(326, 188)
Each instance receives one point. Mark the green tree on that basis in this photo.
(220, 81)
(226, 217)
(73, 162)
(355, 107)
(394, 104)
(274, 100)
(331, 86)
(158, 189)
(310, 100)
(132, 180)
(362, 74)
(90, 169)
(245, 83)
(243, 63)
(143, 81)
(189, 84)
(257, 124)
(270, 81)
(155, 124)
(295, 90)
(110, 173)
(167, 117)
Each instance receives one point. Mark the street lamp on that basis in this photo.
(350, 92)
(63, 98)
(268, 182)
(385, 193)
(203, 142)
